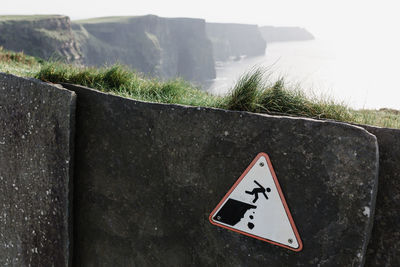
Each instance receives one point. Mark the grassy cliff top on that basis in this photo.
(28, 17)
(120, 19)
(126, 19)
(252, 92)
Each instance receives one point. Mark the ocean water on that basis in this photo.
(362, 75)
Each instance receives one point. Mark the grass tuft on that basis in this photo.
(117, 77)
(279, 99)
(120, 80)
(18, 63)
(253, 92)
(244, 94)
(16, 57)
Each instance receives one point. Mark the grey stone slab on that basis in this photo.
(384, 246)
(36, 130)
(149, 175)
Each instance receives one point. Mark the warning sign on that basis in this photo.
(255, 206)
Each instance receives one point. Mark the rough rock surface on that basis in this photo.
(36, 122)
(41, 36)
(148, 176)
(384, 246)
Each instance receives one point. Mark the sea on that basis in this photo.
(361, 75)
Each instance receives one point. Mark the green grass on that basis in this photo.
(27, 17)
(382, 117)
(18, 63)
(121, 81)
(115, 19)
(252, 93)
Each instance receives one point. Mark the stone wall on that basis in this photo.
(384, 247)
(148, 176)
(36, 149)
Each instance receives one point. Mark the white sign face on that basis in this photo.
(255, 206)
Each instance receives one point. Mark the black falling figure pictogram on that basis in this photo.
(258, 190)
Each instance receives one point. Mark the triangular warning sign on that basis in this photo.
(255, 206)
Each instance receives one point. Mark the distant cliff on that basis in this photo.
(285, 34)
(41, 36)
(234, 40)
(165, 47)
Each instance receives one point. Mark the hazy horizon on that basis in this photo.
(357, 20)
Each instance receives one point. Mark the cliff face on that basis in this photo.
(233, 40)
(41, 36)
(153, 45)
(285, 34)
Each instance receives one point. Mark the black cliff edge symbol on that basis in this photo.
(233, 211)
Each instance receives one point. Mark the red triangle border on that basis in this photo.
(289, 215)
